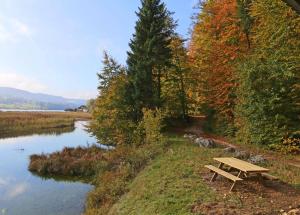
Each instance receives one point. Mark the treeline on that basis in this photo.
(240, 68)
(154, 81)
(245, 55)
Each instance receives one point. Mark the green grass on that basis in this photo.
(171, 184)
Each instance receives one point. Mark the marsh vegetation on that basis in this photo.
(13, 124)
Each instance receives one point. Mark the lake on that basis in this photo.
(22, 193)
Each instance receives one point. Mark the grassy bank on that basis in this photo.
(26, 123)
(177, 183)
(170, 179)
(109, 171)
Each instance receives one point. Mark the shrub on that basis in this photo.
(289, 145)
(149, 128)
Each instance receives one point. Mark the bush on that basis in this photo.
(78, 161)
(290, 145)
(149, 129)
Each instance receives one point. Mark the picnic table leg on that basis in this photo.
(240, 172)
(216, 174)
(232, 186)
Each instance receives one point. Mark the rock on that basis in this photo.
(256, 159)
(242, 154)
(229, 150)
(186, 136)
(207, 143)
(294, 212)
(190, 136)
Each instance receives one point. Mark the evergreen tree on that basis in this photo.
(110, 69)
(149, 55)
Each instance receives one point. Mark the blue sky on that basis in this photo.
(55, 46)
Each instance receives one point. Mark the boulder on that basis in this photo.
(207, 143)
(229, 150)
(256, 159)
(242, 155)
(190, 136)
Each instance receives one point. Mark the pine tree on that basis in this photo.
(149, 54)
(111, 69)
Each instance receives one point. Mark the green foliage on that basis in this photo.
(176, 81)
(111, 69)
(245, 17)
(152, 126)
(268, 107)
(149, 55)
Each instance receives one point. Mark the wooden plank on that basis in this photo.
(223, 173)
(241, 165)
(269, 177)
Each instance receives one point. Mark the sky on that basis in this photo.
(56, 46)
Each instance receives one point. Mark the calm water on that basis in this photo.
(22, 193)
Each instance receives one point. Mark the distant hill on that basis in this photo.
(11, 98)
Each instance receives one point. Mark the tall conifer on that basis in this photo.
(149, 54)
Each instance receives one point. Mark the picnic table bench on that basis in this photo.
(243, 168)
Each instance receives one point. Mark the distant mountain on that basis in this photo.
(11, 98)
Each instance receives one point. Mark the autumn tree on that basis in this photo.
(268, 104)
(176, 81)
(111, 123)
(218, 42)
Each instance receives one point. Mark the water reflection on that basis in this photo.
(23, 193)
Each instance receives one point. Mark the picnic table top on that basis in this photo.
(241, 165)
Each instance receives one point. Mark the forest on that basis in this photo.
(236, 78)
(239, 69)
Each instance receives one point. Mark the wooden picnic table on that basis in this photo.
(243, 168)
(241, 165)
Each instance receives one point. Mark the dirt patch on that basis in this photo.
(252, 196)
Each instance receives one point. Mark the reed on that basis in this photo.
(23, 123)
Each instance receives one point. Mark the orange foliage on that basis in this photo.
(217, 42)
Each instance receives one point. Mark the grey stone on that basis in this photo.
(256, 159)
(190, 136)
(229, 150)
(207, 143)
(242, 155)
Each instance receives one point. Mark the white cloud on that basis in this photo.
(17, 190)
(21, 28)
(13, 30)
(11, 79)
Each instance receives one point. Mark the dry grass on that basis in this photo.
(78, 162)
(20, 123)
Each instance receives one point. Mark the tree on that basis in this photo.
(110, 70)
(111, 123)
(177, 81)
(218, 43)
(268, 92)
(149, 54)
